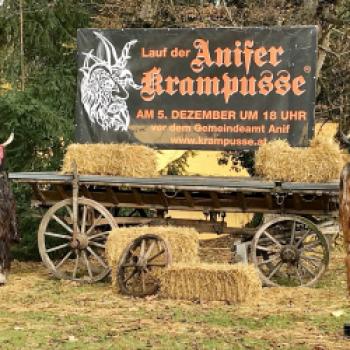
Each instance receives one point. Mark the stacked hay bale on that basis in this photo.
(320, 162)
(216, 255)
(183, 243)
(111, 159)
(217, 249)
(211, 282)
(187, 278)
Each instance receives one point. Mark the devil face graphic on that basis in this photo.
(104, 86)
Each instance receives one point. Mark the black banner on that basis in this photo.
(224, 88)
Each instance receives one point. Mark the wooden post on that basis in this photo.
(344, 215)
(75, 185)
(21, 43)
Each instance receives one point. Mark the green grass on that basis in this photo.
(224, 317)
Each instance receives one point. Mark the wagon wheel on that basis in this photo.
(140, 263)
(290, 251)
(83, 259)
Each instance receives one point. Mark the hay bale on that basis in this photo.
(218, 241)
(320, 162)
(183, 242)
(210, 282)
(111, 159)
(216, 255)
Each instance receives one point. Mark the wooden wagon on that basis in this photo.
(288, 249)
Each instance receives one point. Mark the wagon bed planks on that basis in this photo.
(213, 182)
(200, 193)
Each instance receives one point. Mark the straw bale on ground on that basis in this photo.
(111, 159)
(183, 242)
(210, 282)
(320, 162)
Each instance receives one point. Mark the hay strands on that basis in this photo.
(320, 162)
(236, 283)
(111, 159)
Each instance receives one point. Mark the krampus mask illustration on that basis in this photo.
(105, 84)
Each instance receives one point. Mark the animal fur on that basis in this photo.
(8, 225)
(344, 214)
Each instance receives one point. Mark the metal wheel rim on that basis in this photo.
(313, 228)
(104, 213)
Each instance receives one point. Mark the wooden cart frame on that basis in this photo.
(86, 207)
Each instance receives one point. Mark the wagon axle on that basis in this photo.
(290, 254)
(138, 266)
(81, 242)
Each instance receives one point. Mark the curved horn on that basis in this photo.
(125, 52)
(9, 140)
(111, 53)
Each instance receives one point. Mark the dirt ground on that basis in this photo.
(38, 312)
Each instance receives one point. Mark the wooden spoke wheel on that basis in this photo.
(140, 263)
(81, 259)
(290, 251)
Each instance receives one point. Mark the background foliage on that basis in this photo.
(42, 114)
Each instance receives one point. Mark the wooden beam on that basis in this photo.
(242, 201)
(189, 198)
(113, 196)
(269, 201)
(137, 195)
(85, 192)
(297, 203)
(61, 191)
(39, 194)
(215, 199)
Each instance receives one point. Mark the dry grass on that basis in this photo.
(320, 162)
(211, 282)
(183, 242)
(111, 159)
(37, 312)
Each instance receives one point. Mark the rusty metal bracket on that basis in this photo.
(280, 198)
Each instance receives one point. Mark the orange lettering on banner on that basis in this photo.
(186, 86)
(223, 57)
(248, 52)
(171, 82)
(202, 57)
(248, 86)
(230, 86)
(237, 54)
(275, 52)
(243, 52)
(151, 84)
(265, 84)
(282, 84)
(208, 86)
(296, 84)
(258, 55)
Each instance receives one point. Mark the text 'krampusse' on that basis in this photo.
(242, 55)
